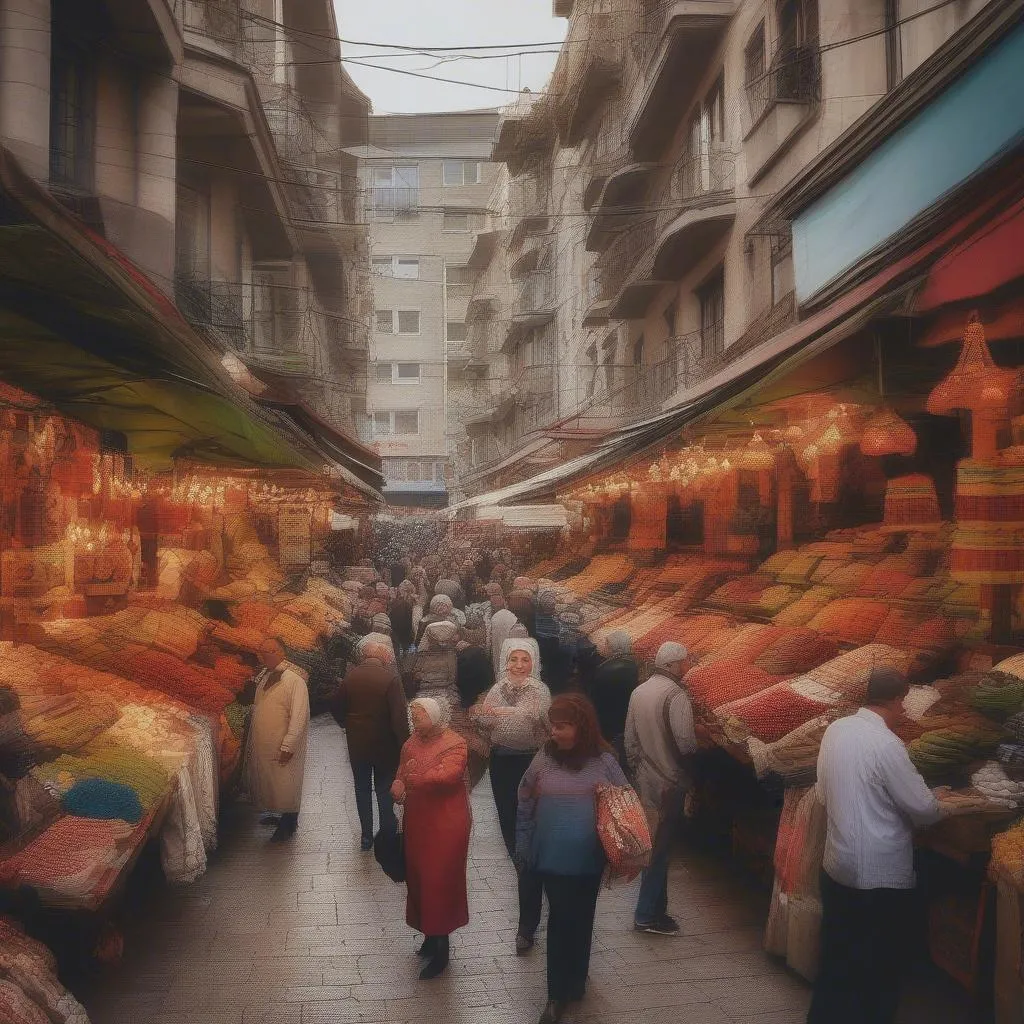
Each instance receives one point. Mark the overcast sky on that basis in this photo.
(446, 23)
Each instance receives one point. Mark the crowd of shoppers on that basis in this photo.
(461, 668)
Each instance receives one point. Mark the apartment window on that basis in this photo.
(893, 44)
(408, 321)
(460, 276)
(385, 321)
(405, 268)
(456, 330)
(396, 190)
(712, 315)
(460, 172)
(382, 424)
(407, 373)
(455, 222)
(407, 422)
(755, 79)
(383, 373)
(705, 171)
(72, 109)
(795, 67)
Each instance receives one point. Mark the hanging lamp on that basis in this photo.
(887, 433)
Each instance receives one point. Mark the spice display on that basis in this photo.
(770, 714)
(993, 782)
(722, 681)
(939, 751)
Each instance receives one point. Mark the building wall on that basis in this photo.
(425, 231)
(843, 73)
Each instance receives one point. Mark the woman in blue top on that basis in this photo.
(556, 836)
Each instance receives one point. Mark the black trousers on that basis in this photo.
(864, 939)
(368, 777)
(507, 771)
(572, 903)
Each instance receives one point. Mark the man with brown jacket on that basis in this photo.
(370, 706)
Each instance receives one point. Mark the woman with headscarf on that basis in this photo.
(501, 625)
(452, 589)
(556, 837)
(431, 785)
(440, 611)
(514, 715)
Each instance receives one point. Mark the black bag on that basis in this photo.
(389, 852)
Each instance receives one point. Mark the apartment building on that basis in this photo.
(644, 255)
(206, 141)
(428, 179)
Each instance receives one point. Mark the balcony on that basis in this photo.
(562, 8)
(484, 247)
(626, 272)
(525, 130)
(610, 153)
(647, 391)
(779, 105)
(388, 203)
(528, 207)
(595, 51)
(534, 306)
(296, 134)
(677, 43)
(327, 210)
(697, 212)
(622, 199)
(215, 26)
(482, 306)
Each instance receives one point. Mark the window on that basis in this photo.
(385, 321)
(406, 268)
(456, 330)
(407, 422)
(460, 172)
(755, 80)
(381, 424)
(396, 190)
(383, 373)
(712, 315)
(638, 352)
(408, 321)
(455, 222)
(72, 108)
(407, 373)
(705, 169)
(795, 66)
(460, 276)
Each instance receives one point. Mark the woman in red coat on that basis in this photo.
(431, 784)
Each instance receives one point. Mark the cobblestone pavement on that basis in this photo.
(312, 932)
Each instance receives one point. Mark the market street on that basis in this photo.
(313, 933)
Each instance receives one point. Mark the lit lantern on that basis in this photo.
(977, 384)
(886, 433)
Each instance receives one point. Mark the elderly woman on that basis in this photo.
(431, 785)
(556, 837)
(441, 609)
(514, 715)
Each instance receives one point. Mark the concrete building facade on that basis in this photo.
(206, 140)
(428, 181)
(642, 254)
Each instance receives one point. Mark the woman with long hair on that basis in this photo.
(431, 785)
(513, 717)
(557, 839)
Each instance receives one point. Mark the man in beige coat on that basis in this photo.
(278, 737)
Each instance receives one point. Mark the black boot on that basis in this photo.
(427, 946)
(438, 959)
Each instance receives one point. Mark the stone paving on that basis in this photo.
(312, 932)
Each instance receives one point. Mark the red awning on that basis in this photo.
(991, 257)
(1002, 320)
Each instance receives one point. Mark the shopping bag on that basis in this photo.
(623, 831)
(389, 852)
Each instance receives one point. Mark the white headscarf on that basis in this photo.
(526, 644)
(436, 712)
(375, 638)
(501, 625)
(619, 642)
(440, 636)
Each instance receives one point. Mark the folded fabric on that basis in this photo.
(101, 798)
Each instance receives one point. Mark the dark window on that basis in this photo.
(755, 80)
(72, 108)
(712, 315)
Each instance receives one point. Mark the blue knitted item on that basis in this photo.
(100, 798)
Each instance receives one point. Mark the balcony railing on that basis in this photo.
(296, 134)
(218, 21)
(793, 77)
(325, 198)
(621, 258)
(536, 295)
(700, 176)
(388, 201)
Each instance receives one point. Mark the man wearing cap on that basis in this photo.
(873, 797)
(370, 706)
(659, 734)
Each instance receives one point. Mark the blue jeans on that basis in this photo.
(368, 777)
(652, 902)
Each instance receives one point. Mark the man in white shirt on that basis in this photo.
(659, 733)
(874, 798)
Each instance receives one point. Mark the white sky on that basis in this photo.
(446, 23)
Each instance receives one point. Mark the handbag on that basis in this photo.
(623, 831)
(389, 853)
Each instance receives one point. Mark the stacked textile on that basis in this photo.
(28, 969)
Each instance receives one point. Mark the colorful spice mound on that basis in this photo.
(720, 682)
(999, 695)
(943, 750)
(769, 715)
